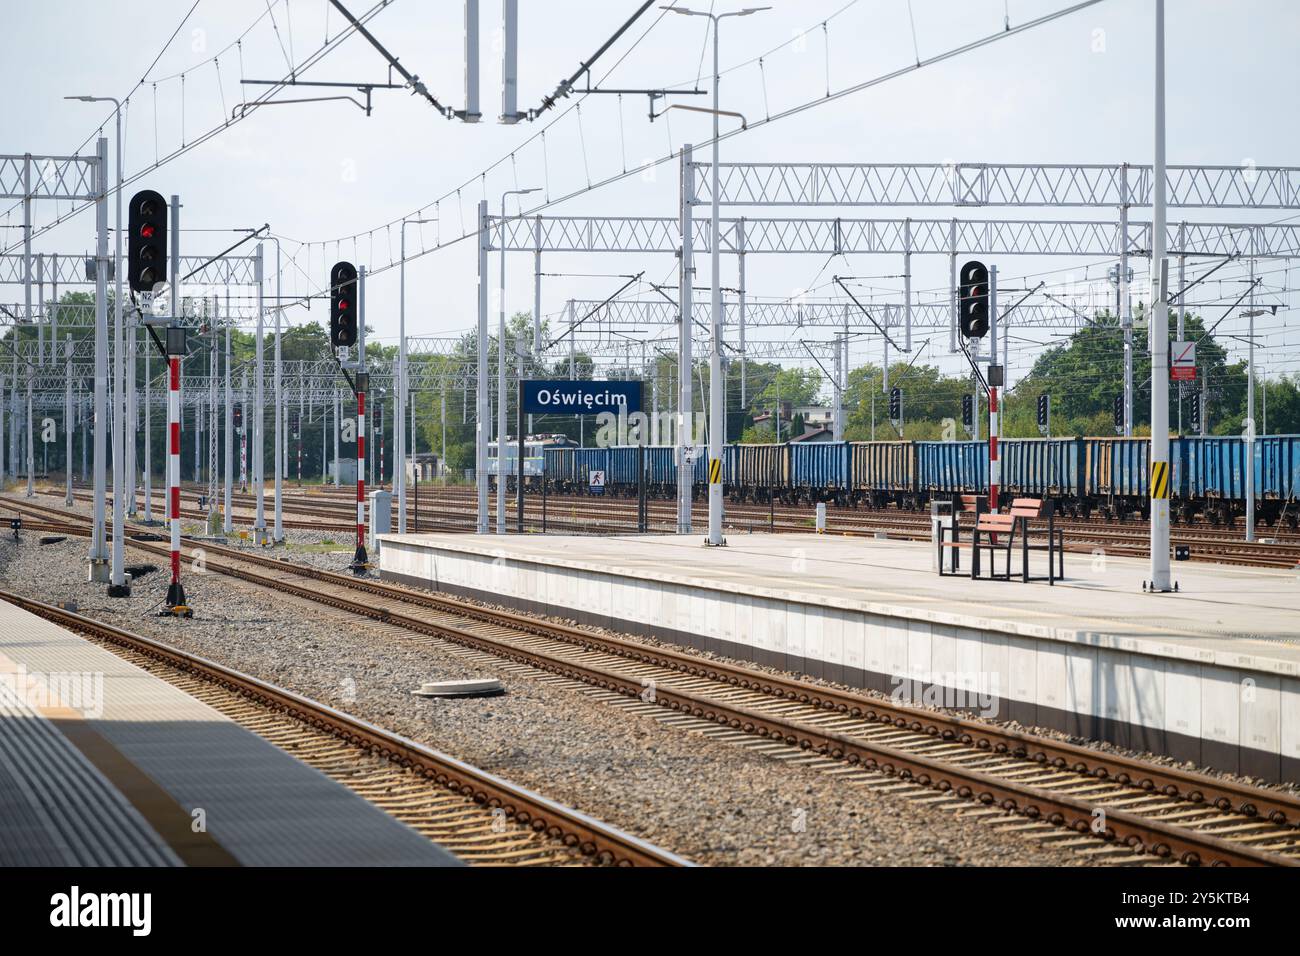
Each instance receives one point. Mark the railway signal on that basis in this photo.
(146, 244)
(1194, 414)
(343, 305)
(1119, 414)
(1045, 413)
(968, 413)
(896, 403)
(973, 300)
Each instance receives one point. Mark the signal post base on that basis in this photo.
(97, 571)
(175, 605)
(119, 590)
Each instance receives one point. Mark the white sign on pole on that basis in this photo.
(596, 482)
(1182, 361)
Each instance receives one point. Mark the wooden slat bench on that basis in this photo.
(990, 526)
(969, 504)
(1025, 510)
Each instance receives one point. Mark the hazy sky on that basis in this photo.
(1076, 90)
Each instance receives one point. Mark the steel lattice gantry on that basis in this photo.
(1246, 186)
(816, 313)
(847, 236)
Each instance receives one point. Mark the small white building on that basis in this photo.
(424, 466)
(346, 471)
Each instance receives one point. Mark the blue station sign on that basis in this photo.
(562, 397)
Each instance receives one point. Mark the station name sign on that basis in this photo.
(563, 397)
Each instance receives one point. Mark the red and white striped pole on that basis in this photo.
(360, 560)
(995, 467)
(175, 603)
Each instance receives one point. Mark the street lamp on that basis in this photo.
(717, 390)
(401, 386)
(117, 582)
(501, 371)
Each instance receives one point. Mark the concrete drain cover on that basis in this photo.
(489, 687)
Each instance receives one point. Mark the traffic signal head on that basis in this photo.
(146, 242)
(973, 300)
(1119, 411)
(895, 403)
(1194, 409)
(239, 417)
(343, 304)
(967, 410)
(1043, 402)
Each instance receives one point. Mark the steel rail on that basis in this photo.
(592, 837)
(1198, 789)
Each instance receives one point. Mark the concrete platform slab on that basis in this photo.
(1206, 674)
(104, 764)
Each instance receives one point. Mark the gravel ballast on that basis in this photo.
(712, 802)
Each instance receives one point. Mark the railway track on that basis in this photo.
(580, 515)
(479, 817)
(1168, 813)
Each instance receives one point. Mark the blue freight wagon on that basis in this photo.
(757, 472)
(1043, 468)
(622, 467)
(883, 473)
(819, 471)
(947, 468)
(1279, 467)
(661, 470)
(1118, 470)
(585, 461)
(1216, 480)
(559, 468)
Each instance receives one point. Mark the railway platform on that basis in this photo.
(104, 764)
(1210, 674)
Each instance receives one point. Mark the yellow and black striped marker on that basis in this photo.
(715, 471)
(1159, 480)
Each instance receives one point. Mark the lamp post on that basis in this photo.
(117, 582)
(401, 386)
(501, 370)
(717, 389)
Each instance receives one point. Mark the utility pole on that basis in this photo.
(68, 424)
(685, 403)
(502, 399)
(118, 586)
(1250, 430)
(482, 421)
(278, 533)
(1159, 335)
(259, 414)
(228, 447)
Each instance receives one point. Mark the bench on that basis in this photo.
(993, 524)
(970, 504)
(1026, 509)
(994, 532)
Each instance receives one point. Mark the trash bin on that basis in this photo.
(942, 515)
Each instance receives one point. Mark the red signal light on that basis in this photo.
(147, 231)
